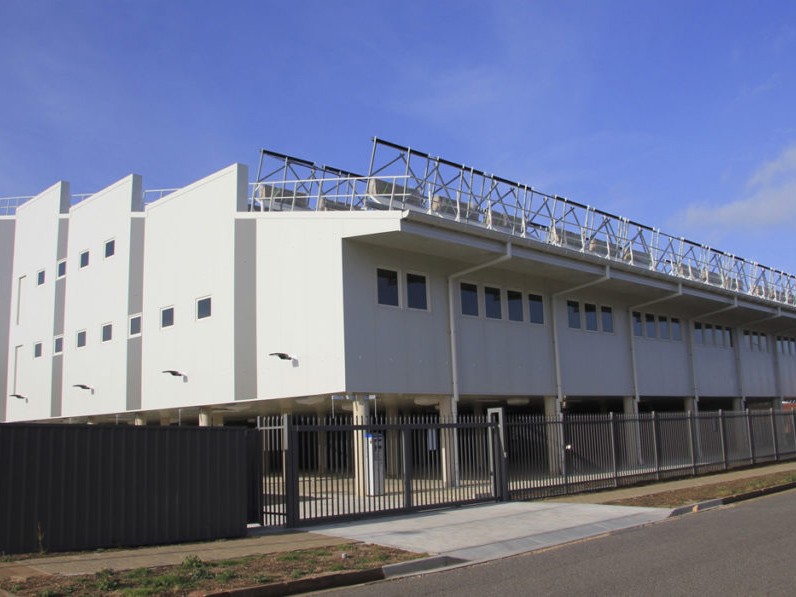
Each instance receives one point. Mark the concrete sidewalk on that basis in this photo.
(473, 533)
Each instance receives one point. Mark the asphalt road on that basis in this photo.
(745, 549)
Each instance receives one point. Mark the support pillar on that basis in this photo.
(691, 404)
(165, 420)
(447, 443)
(738, 403)
(555, 435)
(632, 431)
(140, 420)
(217, 420)
(205, 417)
(361, 416)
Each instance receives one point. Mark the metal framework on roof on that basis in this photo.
(401, 178)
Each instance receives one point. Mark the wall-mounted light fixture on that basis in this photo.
(83, 386)
(175, 373)
(19, 396)
(283, 356)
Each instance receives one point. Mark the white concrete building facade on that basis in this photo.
(423, 285)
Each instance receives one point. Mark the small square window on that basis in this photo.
(203, 308)
(40, 278)
(167, 317)
(84, 259)
(107, 332)
(469, 299)
(387, 281)
(514, 300)
(416, 292)
(58, 345)
(37, 349)
(607, 319)
(110, 248)
(535, 308)
(135, 325)
(61, 269)
(591, 316)
(492, 303)
(573, 314)
(81, 338)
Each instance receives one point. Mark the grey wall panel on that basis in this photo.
(136, 300)
(60, 304)
(134, 354)
(63, 237)
(57, 385)
(245, 309)
(6, 273)
(69, 487)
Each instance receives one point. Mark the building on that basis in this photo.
(424, 286)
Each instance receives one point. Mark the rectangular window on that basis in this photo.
(728, 338)
(37, 350)
(167, 317)
(416, 292)
(535, 308)
(469, 299)
(61, 269)
(84, 259)
(747, 339)
(708, 336)
(514, 300)
(607, 319)
(388, 287)
(649, 328)
(676, 333)
(81, 338)
(492, 303)
(573, 314)
(663, 327)
(135, 325)
(792, 346)
(107, 332)
(699, 337)
(58, 345)
(203, 308)
(763, 342)
(110, 248)
(638, 330)
(40, 278)
(590, 312)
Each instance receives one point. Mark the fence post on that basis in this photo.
(656, 445)
(613, 448)
(691, 442)
(749, 436)
(774, 434)
(793, 427)
(290, 470)
(406, 454)
(723, 434)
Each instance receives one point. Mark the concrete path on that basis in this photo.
(494, 530)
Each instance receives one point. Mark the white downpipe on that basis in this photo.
(556, 352)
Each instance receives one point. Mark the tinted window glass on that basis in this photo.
(492, 302)
(167, 317)
(469, 297)
(388, 287)
(514, 299)
(607, 319)
(535, 308)
(590, 312)
(203, 308)
(573, 314)
(416, 295)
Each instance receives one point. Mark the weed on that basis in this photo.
(105, 580)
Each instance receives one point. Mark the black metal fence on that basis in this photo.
(70, 487)
(321, 469)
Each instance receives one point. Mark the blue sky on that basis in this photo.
(676, 114)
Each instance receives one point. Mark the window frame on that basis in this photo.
(572, 323)
(130, 333)
(110, 243)
(38, 350)
(58, 340)
(426, 291)
(163, 311)
(518, 296)
(594, 325)
(397, 273)
(209, 299)
(106, 326)
(59, 265)
(461, 299)
(41, 277)
(489, 291)
(81, 335)
(607, 310)
(87, 254)
(531, 299)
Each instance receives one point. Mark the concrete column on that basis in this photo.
(447, 444)
(738, 403)
(555, 448)
(393, 444)
(165, 420)
(632, 432)
(361, 415)
(691, 404)
(205, 417)
(140, 420)
(217, 419)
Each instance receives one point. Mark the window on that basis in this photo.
(84, 259)
(637, 329)
(107, 332)
(728, 338)
(649, 328)
(388, 287)
(663, 327)
(135, 325)
(607, 319)
(203, 308)
(535, 308)
(708, 335)
(763, 343)
(58, 345)
(676, 332)
(40, 278)
(747, 339)
(492, 303)
(573, 314)
(416, 293)
(469, 299)
(81, 338)
(110, 248)
(514, 300)
(37, 350)
(698, 336)
(167, 317)
(61, 269)
(590, 312)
